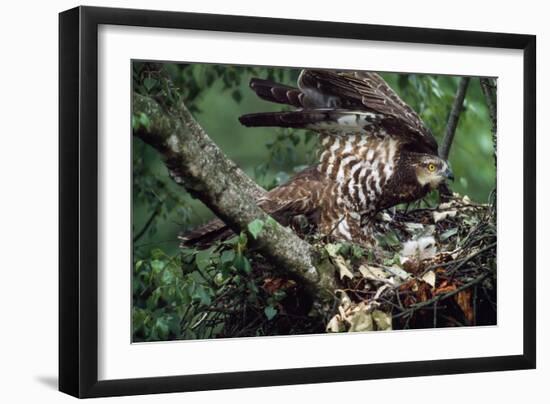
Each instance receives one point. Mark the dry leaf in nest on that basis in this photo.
(271, 285)
(424, 291)
(361, 321)
(464, 300)
(445, 287)
(429, 278)
(420, 291)
(336, 324)
(409, 285)
(373, 273)
(343, 269)
(382, 320)
(440, 271)
(345, 301)
(359, 317)
(398, 272)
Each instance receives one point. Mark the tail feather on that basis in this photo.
(275, 92)
(315, 119)
(289, 119)
(206, 234)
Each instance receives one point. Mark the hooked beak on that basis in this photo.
(449, 174)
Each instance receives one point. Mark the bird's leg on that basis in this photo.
(367, 230)
(334, 227)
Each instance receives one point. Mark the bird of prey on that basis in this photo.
(375, 153)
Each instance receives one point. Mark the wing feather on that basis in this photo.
(343, 103)
(368, 91)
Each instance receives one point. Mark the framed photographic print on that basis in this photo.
(250, 201)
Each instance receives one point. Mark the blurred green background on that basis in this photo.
(217, 95)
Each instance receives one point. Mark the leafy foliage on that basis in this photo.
(209, 293)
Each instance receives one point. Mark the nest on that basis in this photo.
(433, 267)
(429, 267)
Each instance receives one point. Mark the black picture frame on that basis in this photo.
(78, 201)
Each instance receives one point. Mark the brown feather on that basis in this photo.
(281, 203)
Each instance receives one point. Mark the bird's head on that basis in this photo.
(432, 171)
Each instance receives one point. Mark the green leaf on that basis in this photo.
(144, 120)
(202, 259)
(242, 264)
(357, 251)
(247, 268)
(162, 328)
(232, 241)
(201, 294)
(157, 266)
(243, 240)
(255, 227)
(227, 256)
(157, 254)
(152, 301)
(139, 316)
(167, 277)
(389, 239)
(138, 265)
(149, 83)
(270, 312)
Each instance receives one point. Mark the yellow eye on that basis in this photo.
(431, 168)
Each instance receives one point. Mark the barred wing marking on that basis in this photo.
(326, 120)
(278, 93)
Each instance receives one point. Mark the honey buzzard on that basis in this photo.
(375, 153)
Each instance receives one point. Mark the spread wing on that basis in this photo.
(302, 195)
(343, 103)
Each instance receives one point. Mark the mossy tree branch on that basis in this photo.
(196, 163)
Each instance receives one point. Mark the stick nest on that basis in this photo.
(433, 267)
(430, 267)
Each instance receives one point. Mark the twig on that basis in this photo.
(147, 224)
(452, 123)
(460, 261)
(470, 257)
(418, 306)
